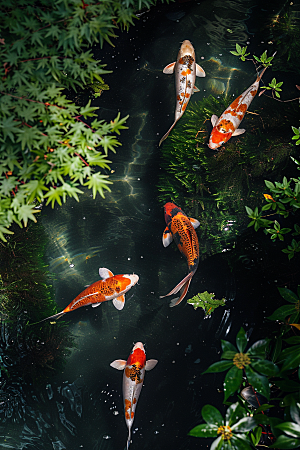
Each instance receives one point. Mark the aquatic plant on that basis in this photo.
(49, 145)
(26, 296)
(214, 187)
(283, 200)
(285, 34)
(265, 364)
(206, 301)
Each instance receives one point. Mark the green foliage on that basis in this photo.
(26, 296)
(48, 145)
(240, 52)
(264, 59)
(284, 199)
(259, 374)
(231, 432)
(206, 301)
(297, 135)
(275, 87)
(256, 367)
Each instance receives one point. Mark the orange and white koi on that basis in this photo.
(186, 70)
(181, 228)
(228, 123)
(133, 377)
(110, 287)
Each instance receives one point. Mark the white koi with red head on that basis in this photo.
(133, 378)
(228, 123)
(186, 70)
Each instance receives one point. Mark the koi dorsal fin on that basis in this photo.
(119, 302)
(118, 364)
(105, 273)
(167, 237)
(150, 364)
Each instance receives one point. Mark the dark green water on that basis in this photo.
(82, 407)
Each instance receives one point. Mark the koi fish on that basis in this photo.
(111, 287)
(186, 70)
(181, 228)
(133, 377)
(228, 123)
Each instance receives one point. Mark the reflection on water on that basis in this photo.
(81, 408)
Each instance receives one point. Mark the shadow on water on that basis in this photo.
(81, 407)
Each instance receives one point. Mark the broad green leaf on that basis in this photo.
(219, 366)
(288, 295)
(241, 340)
(258, 382)
(232, 381)
(295, 412)
(228, 355)
(204, 430)
(282, 312)
(239, 444)
(243, 425)
(212, 416)
(234, 413)
(265, 367)
(258, 349)
(292, 361)
(227, 346)
(256, 435)
(285, 442)
(263, 407)
(290, 428)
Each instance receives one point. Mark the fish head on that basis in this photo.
(137, 356)
(220, 134)
(122, 283)
(170, 210)
(186, 49)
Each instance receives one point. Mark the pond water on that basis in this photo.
(82, 408)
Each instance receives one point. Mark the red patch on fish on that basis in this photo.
(138, 356)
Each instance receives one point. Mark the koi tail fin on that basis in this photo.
(183, 287)
(167, 133)
(128, 439)
(55, 317)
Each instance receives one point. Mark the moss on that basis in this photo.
(26, 297)
(214, 186)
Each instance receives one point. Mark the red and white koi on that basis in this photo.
(181, 228)
(110, 287)
(133, 377)
(186, 70)
(228, 123)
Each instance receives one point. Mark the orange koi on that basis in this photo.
(181, 228)
(186, 70)
(110, 287)
(133, 377)
(228, 123)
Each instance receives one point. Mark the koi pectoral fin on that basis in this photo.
(214, 119)
(94, 305)
(238, 132)
(169, 68)
(118, 364)
(119, 302)
(150, 364)
(105, 273)
(167, 237)
(195, 89)
(194, 222)
(199, 71)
